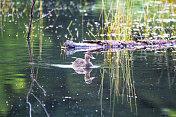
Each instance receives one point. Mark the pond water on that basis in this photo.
(125, 83)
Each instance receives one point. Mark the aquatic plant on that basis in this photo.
(135, 20)
(124, 22)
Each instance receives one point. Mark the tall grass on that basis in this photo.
(134, 20)
(117, 20)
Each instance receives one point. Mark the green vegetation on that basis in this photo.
(132, 20)
(135, 20)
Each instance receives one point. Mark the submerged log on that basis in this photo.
(98, 45)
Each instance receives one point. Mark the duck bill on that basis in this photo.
(92, 57)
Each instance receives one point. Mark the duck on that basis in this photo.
(83, 63)
(84, 66)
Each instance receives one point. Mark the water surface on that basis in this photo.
(125, 83)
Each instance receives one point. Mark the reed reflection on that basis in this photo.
(122, 87)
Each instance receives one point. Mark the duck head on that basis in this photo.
(88, 56)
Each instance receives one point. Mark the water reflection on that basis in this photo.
(122, 81)
(31, 92)
(120, 74)
(122, 84)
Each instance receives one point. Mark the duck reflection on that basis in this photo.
(86, 71)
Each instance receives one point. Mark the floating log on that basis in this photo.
(98, 45)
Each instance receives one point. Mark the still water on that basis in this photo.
(127, 83)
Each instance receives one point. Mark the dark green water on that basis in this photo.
(145, 87)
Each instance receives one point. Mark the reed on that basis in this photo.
(117, 22)
(117, 25)
(132, 19)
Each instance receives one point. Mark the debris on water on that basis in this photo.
(51, 26)
(67, 97)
